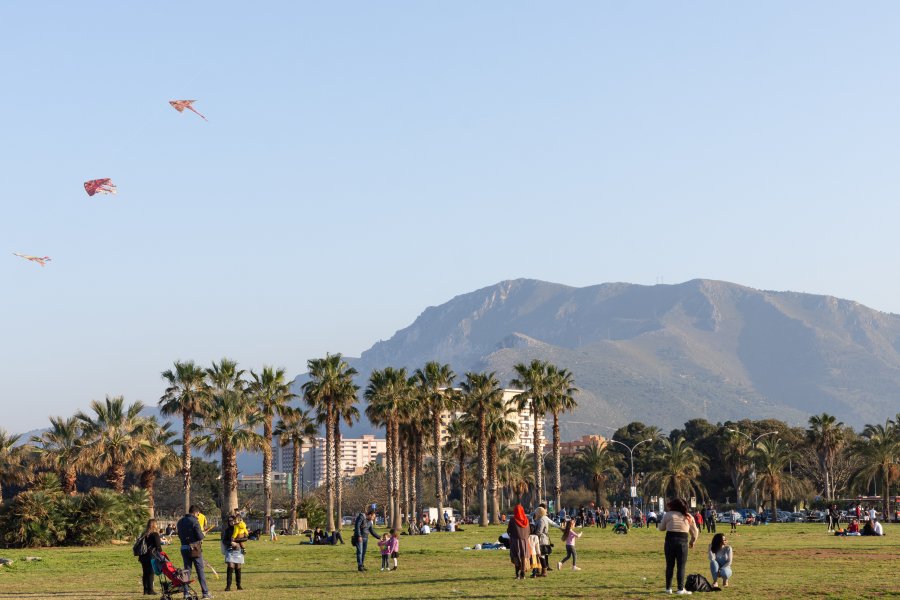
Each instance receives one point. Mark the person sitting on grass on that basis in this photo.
(720, 557)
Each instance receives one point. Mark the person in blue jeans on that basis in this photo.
(720, 557)
(362, 528)
(190, 532)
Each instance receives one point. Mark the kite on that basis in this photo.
(41, 260)
(99, 186)
(180, 105)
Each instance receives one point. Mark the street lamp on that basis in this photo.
(631, 456)
(753, 441)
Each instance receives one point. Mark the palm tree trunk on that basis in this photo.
(68, 477)
(404, 471)
(295, 483)
(413, 483)
(115, 477)
(438, 483)
(557, 462)
(420, 471)
(329, 464)
(886, 498)
(396, 510)
(267, 469)
(187, 420)
(463, 481)
(338, 471)
(492, 467)
(482, 469)
(229, 477)
(389, 468)
(538, 466)
(148, 483)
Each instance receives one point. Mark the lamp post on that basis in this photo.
(631, 457)
(753, 441)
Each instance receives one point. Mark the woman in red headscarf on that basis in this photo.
(519, 529)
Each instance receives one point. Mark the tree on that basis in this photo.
(112, 438)
(482, 394)
(534, 380)
(271, 393)
(229, 422)
(346, 411)
(499, 430)
(387, 393)
(329, 378)
(432, 382)
(60, 449)
(155, 456)
(459, 435)
(560, 399)
(879, 449)
(184, 395)
(771, 458)
(676, 469)
(295, 427)
(599, 465)
(826, 435)
(12, 469)
(517, 473)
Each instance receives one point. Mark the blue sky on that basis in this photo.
(364, 160)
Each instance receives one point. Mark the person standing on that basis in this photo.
(518, 531)
(711, 519)
(191, 535)
(833, 518)
(734, 520)
(681, 533)
(152, 544)
(542, 525)
(233, 553)
(362, 528)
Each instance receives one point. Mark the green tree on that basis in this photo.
(185, 395)
(459, 436)
(826, 435)
(771, 459)
(12, 463)
(676, 469)
(598, 464)
(295, 427)
(482, 393)
(499, 431)
(879, 449)
(59, 448)
(112, 438)
(431, 383)
(155, 456)
(271, 393)
(535, 381)
(344, 411)
(560, 399)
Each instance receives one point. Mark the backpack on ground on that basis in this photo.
(699, 583)
(140, 547)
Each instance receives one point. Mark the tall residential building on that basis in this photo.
(520, 418)
(356, 453)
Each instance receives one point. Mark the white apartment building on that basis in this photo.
(356, 453)
(520, 418)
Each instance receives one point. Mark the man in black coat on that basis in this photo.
(190, 532)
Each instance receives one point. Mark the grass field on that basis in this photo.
(775, 561)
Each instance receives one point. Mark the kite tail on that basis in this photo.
(201, 116)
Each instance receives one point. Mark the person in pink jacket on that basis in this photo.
(393, 547)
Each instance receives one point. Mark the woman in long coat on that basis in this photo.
(519, 530)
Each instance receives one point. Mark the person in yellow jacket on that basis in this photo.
(241, 533)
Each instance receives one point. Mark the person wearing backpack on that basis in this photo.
(146, 544)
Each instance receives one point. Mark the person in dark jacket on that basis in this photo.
(362, 528)
(190, 532)
(519, 529)
(154, 544)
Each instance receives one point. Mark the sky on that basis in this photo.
(366, 160)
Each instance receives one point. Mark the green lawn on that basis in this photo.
(775, 561)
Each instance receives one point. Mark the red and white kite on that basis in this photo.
(99, 186)
(41, 260)
(180, 105)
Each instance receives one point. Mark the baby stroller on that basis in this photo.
(173, 581)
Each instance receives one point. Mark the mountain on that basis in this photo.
(664, 354)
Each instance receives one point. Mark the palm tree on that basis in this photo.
(387, 393)
(229, 426)
(826, 435)
(599, 465)
(734, 448)
(517, 473)
(535, 382)
(329, 378)
(112, 437)
(481, 393)
(676, 469)
(560, 399)
(60, 449)
(431, 385)
(155, 456)
(295, 427)
(499, 430)
(184, 395)
(272, 394)
(879, 449)
(346, 411)
(459, 436)
(12, 469)
(771, 458)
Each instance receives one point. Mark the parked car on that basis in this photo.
(798, 517)
(347, 520)
(816, 516)
(725, 517)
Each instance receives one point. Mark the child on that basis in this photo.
(569, 536)
(393, 546)
(240, 531)
(385, 551)
(534, 555)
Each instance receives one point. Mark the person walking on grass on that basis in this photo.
(362, 528)
(152, 544)
(569, 536)
(518, 531)
(191, 535)
(681, 533)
